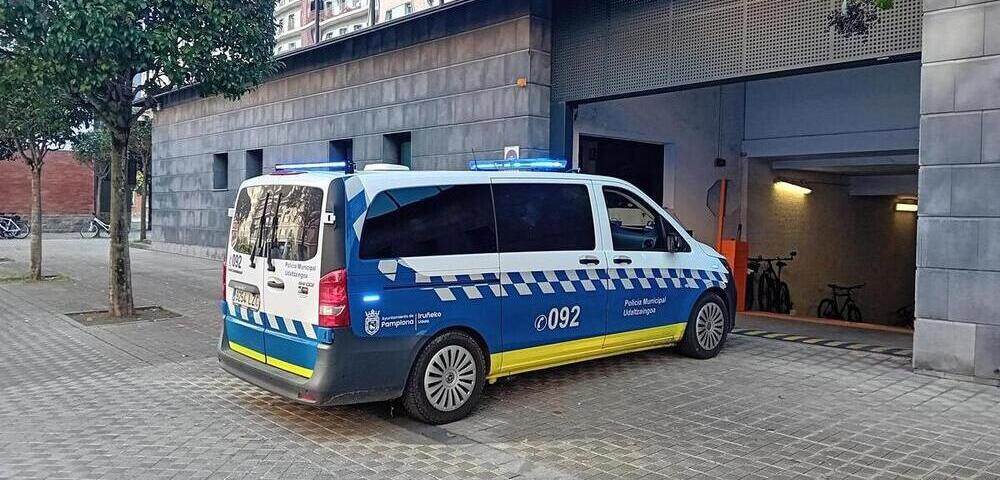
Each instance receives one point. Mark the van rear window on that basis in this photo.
(427, 221)
(284, 218)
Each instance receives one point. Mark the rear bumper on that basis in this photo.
(331, 382)
(346, 371)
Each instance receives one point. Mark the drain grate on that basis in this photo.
(150, 313)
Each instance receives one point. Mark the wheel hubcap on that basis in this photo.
(709, 326)
(450, 378)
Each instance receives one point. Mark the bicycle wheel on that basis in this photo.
(23, 230)
(764, 294)
(90, 230)
(783, 303)
(748, 296)
(827, 309)
(852, 311)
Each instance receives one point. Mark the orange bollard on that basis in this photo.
(736, 253)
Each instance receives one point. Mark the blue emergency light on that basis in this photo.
(346, 167)
(523, 164)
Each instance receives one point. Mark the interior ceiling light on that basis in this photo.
(906, 207)
(791, 187)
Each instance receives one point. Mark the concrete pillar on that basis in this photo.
(958, 235)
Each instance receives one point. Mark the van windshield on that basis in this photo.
(291, 223)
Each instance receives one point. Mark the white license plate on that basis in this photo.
(246, 299)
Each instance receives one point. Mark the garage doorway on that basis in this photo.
(639, 163)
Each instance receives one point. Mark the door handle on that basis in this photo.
(622, 259)
(278, 284)
(589, 260)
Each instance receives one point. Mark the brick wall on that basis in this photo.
(67, 189)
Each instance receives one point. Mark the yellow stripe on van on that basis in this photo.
(290, 367)
(545, 356)
(254, 354)
(274, 362)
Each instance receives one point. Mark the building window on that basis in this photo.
(220, 171)
(281, 25)
(396, 148)
(292, 46)
(408, 8)
(357, 27)
(342, 150)
(328, 35)
(343, 30)
(291, 22)
(254, 163)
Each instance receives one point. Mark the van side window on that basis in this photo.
(635, 226)
(542, 217)
(427, 221)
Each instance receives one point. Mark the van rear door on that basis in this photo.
(290, 270)
(244, 275)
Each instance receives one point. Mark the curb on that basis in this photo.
(823, 342)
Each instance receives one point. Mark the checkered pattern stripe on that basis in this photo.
(477, 286)
(278, 323)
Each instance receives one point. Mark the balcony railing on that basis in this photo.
(339, 17)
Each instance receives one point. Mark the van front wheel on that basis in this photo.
(447, 379)
(705, 332)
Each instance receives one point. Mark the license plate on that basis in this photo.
(246, 299)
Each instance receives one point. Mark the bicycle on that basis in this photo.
(94, 227)
(773, 294)
(904, 316)
(11, 226)
(836, 309)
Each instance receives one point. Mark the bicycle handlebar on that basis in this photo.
(852, 287)
(760, 258)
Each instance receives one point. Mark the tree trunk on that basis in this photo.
(121, 304)
(35, 269)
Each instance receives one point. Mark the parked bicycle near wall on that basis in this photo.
(94, 227)
(12, 226)
(841, 305)
(772, 293)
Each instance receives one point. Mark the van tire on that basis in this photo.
(713, 310)
(415, 398)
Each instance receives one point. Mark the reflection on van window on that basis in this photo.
(543, 217)
(426, 221)
(289, 226)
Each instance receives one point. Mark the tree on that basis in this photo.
(33, 122)
(93, 148)
(116, 56)
(854, 17)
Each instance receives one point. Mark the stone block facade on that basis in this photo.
(449, 80)
(958, 242)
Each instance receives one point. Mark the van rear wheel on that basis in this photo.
(705, 332)
(447, 379)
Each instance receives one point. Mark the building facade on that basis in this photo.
(67, 191)
(676, 96)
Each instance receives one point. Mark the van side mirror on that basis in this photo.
(674, 243)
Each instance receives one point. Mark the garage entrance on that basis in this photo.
(638, 163)
(823, 164)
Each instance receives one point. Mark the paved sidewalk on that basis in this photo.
(147, 400)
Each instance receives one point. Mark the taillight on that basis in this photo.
(333, 300)
(224, 280)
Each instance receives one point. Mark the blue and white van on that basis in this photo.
(424, 286)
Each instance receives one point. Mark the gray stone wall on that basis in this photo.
(456, 94)
(958, 239)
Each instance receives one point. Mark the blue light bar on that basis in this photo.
(312, 167)
(524, 164)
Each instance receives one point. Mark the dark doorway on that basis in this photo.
(638, 163)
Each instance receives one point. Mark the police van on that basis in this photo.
(423, 286)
